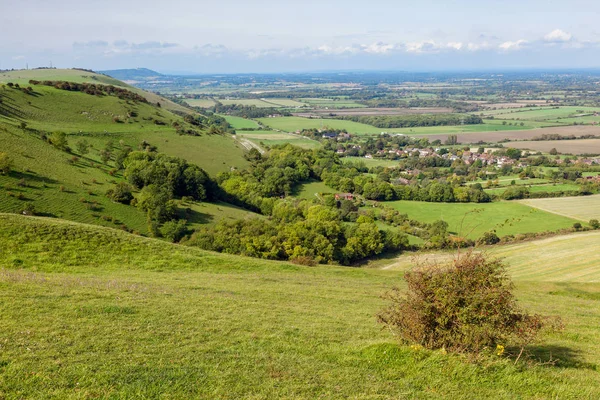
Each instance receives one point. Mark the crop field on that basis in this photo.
(246, 102)
(493, 137)
(506, 218)
(565, 258)
(559, 187)
(271, 138)
(555, 114)
(379, 111)
(202, 103)
(241, 123)
(582, 208)
(93, 312)
(371, 162)
(293, 124)
(577, 146)
(331, 103)
(287, 103)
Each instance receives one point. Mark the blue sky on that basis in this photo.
(276, 36)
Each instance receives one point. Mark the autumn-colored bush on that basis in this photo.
(466, 305)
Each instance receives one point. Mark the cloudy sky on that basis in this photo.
(276, 35)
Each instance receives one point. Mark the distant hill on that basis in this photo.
(134, 74)
(72, 185)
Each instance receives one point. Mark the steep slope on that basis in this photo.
(72, 185)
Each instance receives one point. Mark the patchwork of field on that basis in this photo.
(371, 162)
(240, 123)
(558, 114)
(565, 258)
(547, 187)
(377, 111)
(271, 138)
(578, 146)
(202, 103)
(265, 103)
(331, 103)
(493, 137)
(293, 124)
(582, 208)
(472, 220)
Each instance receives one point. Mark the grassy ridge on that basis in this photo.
(92, 312)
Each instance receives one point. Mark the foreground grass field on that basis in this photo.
(581, 208)
(92, 312)
(506, 218)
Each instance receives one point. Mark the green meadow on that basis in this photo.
(474, 219)
(93, 312)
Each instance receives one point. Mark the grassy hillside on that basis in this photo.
(22, 77)
(93, 312)
(73, 185)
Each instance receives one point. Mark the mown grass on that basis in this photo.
(92, 312)
(472, 220)
(582, 208)
(240, 123)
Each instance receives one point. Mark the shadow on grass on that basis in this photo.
(32, 177)
(555, 356)
(195, 217)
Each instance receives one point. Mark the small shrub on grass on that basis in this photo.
(62, 188)
(121, 193)
(577, 226)
(304, 260)
(28, 209)
(5, 164)
(22, 183)
(594, 223)
(464, 306)
(174, 230)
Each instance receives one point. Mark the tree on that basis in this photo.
(82, 146)
(5, 164)
(105, 155)
(156, 201)
(59, 140)
(174, 230)
(121, 193)
(594, 223)
(464, 306)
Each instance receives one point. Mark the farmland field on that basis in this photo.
(240, 123)
(582, 208)
(380, 111)
(544, 114)
(271, 138)
(566, 258)
(578, 146)
(491, 137)
(293, 124)
(331, 103)
(202, 103)
(507, 218)
(371, 162)
(246, 102)
(539, 188)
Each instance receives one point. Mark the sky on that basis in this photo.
(238, 36)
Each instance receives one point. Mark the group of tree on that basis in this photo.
(415, 120)
(94, 89)
(244, 111)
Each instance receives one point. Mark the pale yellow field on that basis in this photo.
(582, 208)
(567, 258)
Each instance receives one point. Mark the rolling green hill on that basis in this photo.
(73, 185)
(93, 312)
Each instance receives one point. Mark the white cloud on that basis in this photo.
(16, 58)
(516, 45)
(558, 36)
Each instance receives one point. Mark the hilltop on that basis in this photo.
(134, 74)
(72, 185)
(116, 315)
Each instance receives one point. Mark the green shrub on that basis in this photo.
(5, 164)
(577, 226)
(488, 238)
(174, 230)
(121, 193)
(464, 306)
(594, 223)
